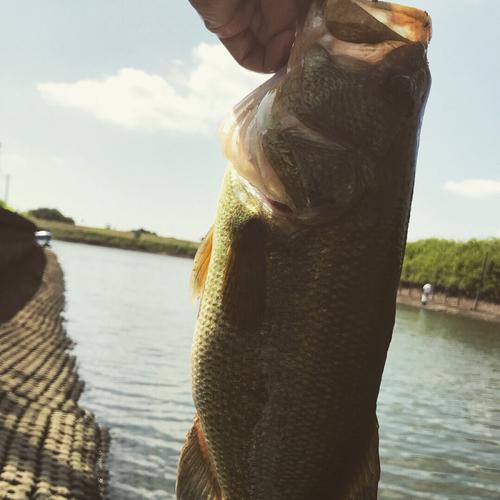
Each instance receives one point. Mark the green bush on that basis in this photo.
(4, 205)
(50, 214)
(454, 266)
(141, 231)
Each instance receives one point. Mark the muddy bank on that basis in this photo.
(50, 447)
(462, 307)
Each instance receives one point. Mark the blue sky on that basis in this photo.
(109, 112)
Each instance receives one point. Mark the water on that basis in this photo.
(130, 315)
(129, 312)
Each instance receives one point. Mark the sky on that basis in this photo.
(109, 112)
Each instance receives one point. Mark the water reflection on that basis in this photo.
(129, 313)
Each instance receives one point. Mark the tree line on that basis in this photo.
(50, 214)
(454, 267)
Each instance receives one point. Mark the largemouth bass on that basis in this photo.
(299, 274)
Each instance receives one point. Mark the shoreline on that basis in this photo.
(118, 247)
(139, 240)
(486, 311)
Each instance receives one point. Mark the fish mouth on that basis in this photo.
(356, 33)
(363, 30)
(371, 21)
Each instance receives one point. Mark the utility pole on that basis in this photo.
(7, 179)
(481, 281)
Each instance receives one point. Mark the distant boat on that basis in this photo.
(43, 238)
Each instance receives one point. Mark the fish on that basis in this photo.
(298, 275)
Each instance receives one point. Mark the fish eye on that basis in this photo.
(399, 87)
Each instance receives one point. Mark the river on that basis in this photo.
(130, 316)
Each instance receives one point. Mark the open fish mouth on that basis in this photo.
(357, 35)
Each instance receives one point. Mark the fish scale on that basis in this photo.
(329, 307)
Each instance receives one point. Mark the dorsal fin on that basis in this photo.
(195, 476)
(244, 287)
(200, 267)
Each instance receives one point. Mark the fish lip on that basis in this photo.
(414, 26)
(409, 23)
(420, 29)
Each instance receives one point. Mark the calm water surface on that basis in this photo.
(130, 315)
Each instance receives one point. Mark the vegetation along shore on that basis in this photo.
(455, 268)
(465, 276)
(128, 240)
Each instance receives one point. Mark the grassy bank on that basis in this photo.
(127, 240)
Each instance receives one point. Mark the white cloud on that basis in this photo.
(474, 188)
(190, 99)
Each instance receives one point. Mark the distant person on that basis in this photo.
(427, 290)
(258, 33)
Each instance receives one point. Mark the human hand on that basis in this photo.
(258, 33)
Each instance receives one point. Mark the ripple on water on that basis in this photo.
(437, 400)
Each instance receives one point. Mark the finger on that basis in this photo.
(246, 51)
(279, 15)
(278, 51)
(302, 7)
(225, 18)
(218, 12)
(261, 58)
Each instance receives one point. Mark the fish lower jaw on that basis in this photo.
(282, 211)
(270, 206)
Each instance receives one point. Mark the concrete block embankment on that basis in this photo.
(50, 447)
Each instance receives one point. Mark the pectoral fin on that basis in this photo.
(195, 477)
(200, 267)
(244, 287)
